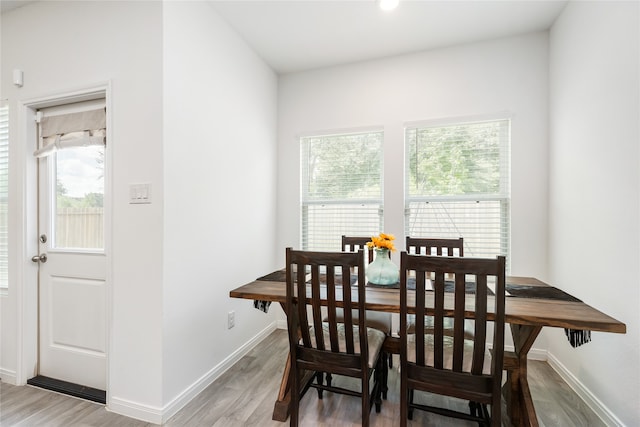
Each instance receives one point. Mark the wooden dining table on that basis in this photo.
(530, 305)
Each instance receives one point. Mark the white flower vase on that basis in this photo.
(382, 271)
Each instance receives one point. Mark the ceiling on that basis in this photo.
(298, 35)
(6, 5)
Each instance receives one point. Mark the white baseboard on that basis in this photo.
(8, 376)
(128, 408)
(161, 415)
(584, 393)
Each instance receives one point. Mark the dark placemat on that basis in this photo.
(539, 292)
(338, 279)
(281, 276)
(470, 287)
(276, 276)
(375, 285)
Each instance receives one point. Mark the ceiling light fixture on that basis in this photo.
(387, 5)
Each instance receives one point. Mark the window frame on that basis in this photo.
(502, 197)
(369, 206)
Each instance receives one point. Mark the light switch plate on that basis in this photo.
(139, 193)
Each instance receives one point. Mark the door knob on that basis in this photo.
(39, 258)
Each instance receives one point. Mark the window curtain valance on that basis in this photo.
(78, 129)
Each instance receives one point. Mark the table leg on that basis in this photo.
(281, 407)
(518, 396)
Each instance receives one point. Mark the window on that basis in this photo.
(78, 220)
(72, 139)
(457, 184)
(341, 188)
(4, 195)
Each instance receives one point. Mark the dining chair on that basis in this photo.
(375, 319)
(452, 365)
(441, 247)
(437, 247)
(323, 279)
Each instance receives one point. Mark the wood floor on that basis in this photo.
(244, 396)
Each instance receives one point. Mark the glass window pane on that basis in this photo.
(4, 193)
(341, 188)
(457, 185)
(79, 216)
(324, 224)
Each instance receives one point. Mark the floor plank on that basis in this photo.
(244, 396)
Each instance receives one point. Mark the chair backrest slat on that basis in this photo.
(438, 320)
(458, 319)
(301, 291)
(333, 324)
(315, 304)
(480, 325)
(346, 298)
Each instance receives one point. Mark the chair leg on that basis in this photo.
(319, 379)
(403, 405)
(365, 398)
(480, 410)
(384, 375)
(472, 408)
(379, 383)
(329, 379)
(410, 414)
(485, 414)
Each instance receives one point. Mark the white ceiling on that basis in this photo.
(6, 5)
(297, 35)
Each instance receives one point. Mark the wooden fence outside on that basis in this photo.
(80, 228)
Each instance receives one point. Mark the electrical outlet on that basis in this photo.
(231, 319)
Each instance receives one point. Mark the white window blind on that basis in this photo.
(458, 184)
(341, 188)
(4, 193)
(83, 126)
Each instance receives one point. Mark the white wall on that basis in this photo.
(507, 75)
(220, 156)
(65, 46)
(193, 113)
(594, 239)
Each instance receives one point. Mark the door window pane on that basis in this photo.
(79, 207)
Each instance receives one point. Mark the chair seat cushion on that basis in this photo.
(375, 339)
(448, 353)
(375, 319)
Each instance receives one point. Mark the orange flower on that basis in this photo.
(383, 241)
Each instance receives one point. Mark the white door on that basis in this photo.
(72, 279)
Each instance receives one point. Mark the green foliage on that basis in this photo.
(90, 200)
(344, 166)
(454, 160)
